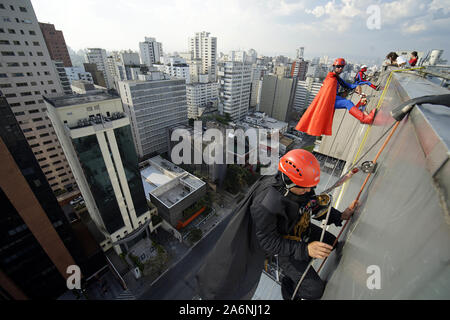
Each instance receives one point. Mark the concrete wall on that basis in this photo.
(402, 230)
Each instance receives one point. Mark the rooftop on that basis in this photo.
(76, 99)
(167, 182)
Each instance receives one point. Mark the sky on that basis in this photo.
(338, 28)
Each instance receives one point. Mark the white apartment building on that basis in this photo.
(99, 58)
(153, 106)
(150, 51)
(78, 73)
(180, 71)
(204, 47)
(234, 88)
(26, 74)
(305, 93)
(199, 96)
(96, 137)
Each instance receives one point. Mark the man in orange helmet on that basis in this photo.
(282, 220)
(273, 219)
(318, 118)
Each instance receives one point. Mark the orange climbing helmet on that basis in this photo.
(301, 167)
(339, 62)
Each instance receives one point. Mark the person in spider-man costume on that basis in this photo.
(360, 78)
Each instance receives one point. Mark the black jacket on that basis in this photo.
(275, 216)
(233, 267)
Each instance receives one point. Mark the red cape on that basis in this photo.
(318, 118)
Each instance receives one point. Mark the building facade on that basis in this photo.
(305, 93)
(204, 47)
(234, 88)
(36, 241)
(199, 96)
(153, 107)
(150, 51)
(56, 44)
(63, 78)
(26, 74)
(277, 97)
(78, 73)
(96, 137)
(98, 57)
(299, 69)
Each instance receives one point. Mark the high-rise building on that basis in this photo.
(26, 73)
(277, 97)
(150, 51)
(234, 88)
(56, 44)
(305, 93)
(98, 57)
(204, 47)
(97, 76)
(153, 106)
(176, 67)
(200, 96)
(299, 69)
(96, 137)
(36, 241)
(258, 72)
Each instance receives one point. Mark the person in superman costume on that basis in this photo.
(318, 118)
(360, 78)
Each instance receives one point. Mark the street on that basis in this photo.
(178, 283)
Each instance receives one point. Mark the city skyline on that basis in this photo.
(278, 27)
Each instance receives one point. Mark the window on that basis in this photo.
(40, 127)
(35, 43)
(5, 85)
(8, 53)
(22, 9)
(27, 103)
(13, 64)
(19, 74)
(32, 33)
(40, 54)
(4, 42)
(3, 75)
(12, 31)
(25, 64)
(21, 53)
(36, 120)
(24, 94)
(16, 43)
(34, 110)
(19, 113)
(22, 84)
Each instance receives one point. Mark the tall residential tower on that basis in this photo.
(26, 73)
